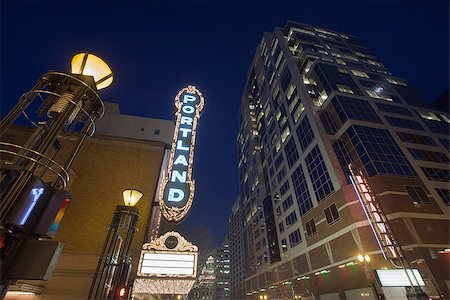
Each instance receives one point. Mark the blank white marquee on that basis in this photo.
(167, 264)
(399, 277)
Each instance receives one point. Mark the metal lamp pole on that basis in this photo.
(113, 268)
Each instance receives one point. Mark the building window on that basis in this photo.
(331, 214)
(445, 195)
(281, 174)
(287, 203)
(279, 161)
(409, 124)
(417, 195)
(355, 109)
(438, 127)
(301, 190)
(437, 174)
(399, 110)
(319, 175)
(375, 149)
(156, 132)
(278, 211)
(428, 115)
(291, 218)
(344, 89)
(416, 139)
(433, 156)
(281, 227)
(310, 227)
(360, 73)
(304, 133)
(285, 78)
(295, 238)
(291, 152)
(284, 245)
(285, 187)
(379, 95)
(395, 81)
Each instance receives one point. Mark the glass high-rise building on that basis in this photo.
(315, 101)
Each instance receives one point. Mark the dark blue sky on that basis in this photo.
(156, 48)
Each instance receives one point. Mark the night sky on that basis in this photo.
(157, 48)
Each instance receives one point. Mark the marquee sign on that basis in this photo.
(400, 277)
(168, 265)
(177, 187)
(377, 220)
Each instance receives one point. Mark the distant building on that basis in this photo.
(315, 101)
(236, 243)
(222, 283)
(125, 152)
(204, 288)
(213, 280)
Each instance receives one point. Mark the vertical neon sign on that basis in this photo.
(177, 187)
(377, 219)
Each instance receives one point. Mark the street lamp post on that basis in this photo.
(113, 268)
(370, 274)
(32, 178)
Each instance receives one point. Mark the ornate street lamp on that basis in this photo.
(114, 264)
(33, 177)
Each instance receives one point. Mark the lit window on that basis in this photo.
(395, 81)
(341, 70)
(290, 91)
(278, 116)
(304, 31)
(285, 134)
(298, 112)
(340, 61)
(372, 62)
(445, 118)
(284, 245)
(429, 115)
(360, 73)
(344, 89)
(376, 95)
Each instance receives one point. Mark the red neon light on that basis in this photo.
(374, 214)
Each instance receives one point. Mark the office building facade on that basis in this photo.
(316, 102)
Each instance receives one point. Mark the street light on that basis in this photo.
(370, 273)
(66, 103)
(114, 263)
(364, 258)
(89, 64)
(131, 197)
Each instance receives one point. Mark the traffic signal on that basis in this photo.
(7, 243)
(122, 292)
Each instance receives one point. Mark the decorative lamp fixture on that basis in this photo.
(88, 64)
(131, 197)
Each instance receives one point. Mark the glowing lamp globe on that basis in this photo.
(360, 258)
(131, 197)
(88, 64)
